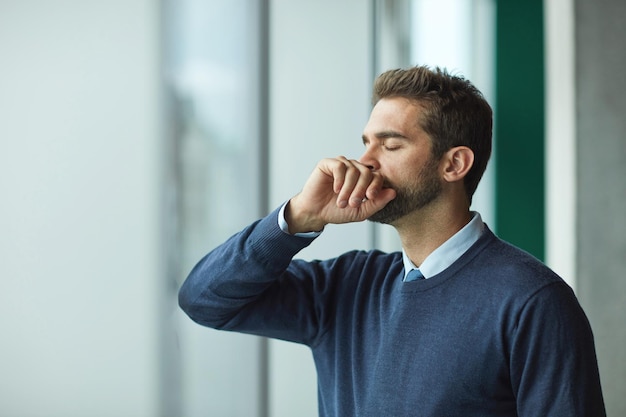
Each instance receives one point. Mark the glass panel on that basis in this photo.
(464, 45)
(212, 70)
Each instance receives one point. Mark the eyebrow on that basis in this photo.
(385, 134)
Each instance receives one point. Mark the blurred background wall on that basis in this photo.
(137, 135)
(81, 265)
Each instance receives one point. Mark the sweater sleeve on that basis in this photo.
(250, 284)
(553, 361)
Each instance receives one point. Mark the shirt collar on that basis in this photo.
(451, 250)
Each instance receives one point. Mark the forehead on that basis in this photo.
(395, 113)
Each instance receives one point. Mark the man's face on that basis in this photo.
(398, 148)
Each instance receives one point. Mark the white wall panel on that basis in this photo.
(79, 185)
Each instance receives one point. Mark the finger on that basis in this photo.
(357, 178)
(364, 182)
(338, 169)
(343, 180)
(375, 186)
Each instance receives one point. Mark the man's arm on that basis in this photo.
(236, 274)
(554, 370)
(250, 283)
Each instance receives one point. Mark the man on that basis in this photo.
(459, 323)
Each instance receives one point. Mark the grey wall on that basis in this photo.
(601, 188)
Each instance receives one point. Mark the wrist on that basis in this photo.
(299, 221)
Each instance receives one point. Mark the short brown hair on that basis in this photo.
(455, 112)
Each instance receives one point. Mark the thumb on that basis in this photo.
(383, 197)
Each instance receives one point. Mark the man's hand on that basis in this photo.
(339, 190)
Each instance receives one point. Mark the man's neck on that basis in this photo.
(425, 230)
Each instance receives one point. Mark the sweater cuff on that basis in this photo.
(282, 223)
(269, 241)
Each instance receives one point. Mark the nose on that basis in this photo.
(369, 160)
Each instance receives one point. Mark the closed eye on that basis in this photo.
(388, 140)
(392, 144)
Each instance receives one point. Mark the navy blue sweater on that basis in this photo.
(495, 334)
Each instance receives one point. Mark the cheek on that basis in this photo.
(415, 177)
(406, 170)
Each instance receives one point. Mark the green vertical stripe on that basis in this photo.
(519, 124)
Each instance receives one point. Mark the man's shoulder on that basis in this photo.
(504, 263)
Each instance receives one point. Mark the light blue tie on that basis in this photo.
(414, 275)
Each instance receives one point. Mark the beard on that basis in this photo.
(426, 188)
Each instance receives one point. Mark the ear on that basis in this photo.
(456, 163)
